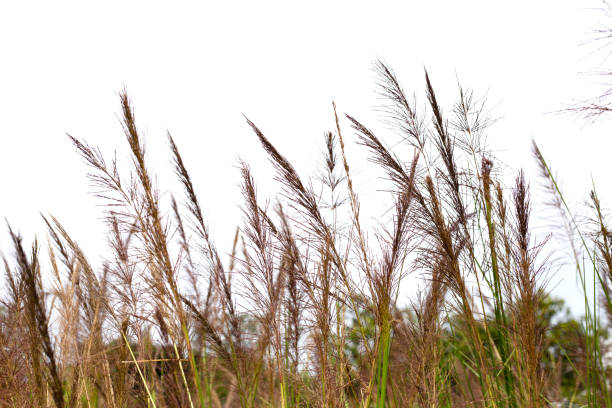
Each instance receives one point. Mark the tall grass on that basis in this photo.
(312, 307)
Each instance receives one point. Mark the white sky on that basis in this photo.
(193, 68)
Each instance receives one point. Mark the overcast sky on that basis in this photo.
(193, 68)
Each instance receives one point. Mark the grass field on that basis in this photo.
(306, 311)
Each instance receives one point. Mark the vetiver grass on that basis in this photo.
(309, 308)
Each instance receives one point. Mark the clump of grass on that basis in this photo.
(311, 308)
